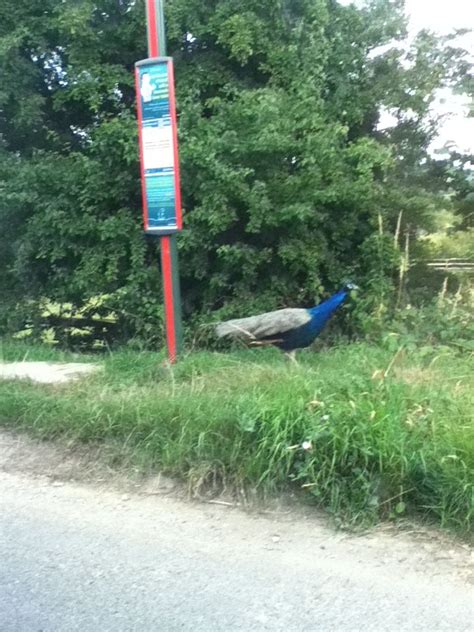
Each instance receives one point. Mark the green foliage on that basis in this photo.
(448, 321)
(364, 431)
(451, 244)
(284, 169)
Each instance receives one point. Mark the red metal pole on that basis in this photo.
(169, 258)
(152, 28)
(166, 264)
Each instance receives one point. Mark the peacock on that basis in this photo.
(288, 329)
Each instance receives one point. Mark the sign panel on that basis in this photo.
(158, 145)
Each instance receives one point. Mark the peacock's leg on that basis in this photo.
(292, 356)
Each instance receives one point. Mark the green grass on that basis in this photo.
(397, 446)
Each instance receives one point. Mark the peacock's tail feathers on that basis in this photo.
(264, 325)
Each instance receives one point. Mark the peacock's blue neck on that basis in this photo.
(322, 312)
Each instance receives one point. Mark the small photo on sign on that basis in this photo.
(146, 88)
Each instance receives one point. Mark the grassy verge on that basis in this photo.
(363, 442)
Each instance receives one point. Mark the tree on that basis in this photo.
(285, 169)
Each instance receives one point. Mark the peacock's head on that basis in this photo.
(349, 286)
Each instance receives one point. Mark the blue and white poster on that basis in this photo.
(158, 150)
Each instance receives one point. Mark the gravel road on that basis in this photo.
(79, 557)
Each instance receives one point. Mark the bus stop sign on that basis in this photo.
(158, 142)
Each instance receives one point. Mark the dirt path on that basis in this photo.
(46, 372)
(121, 555)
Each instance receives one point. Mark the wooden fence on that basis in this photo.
(452, 265)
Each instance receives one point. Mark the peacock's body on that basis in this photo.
(288, 329)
